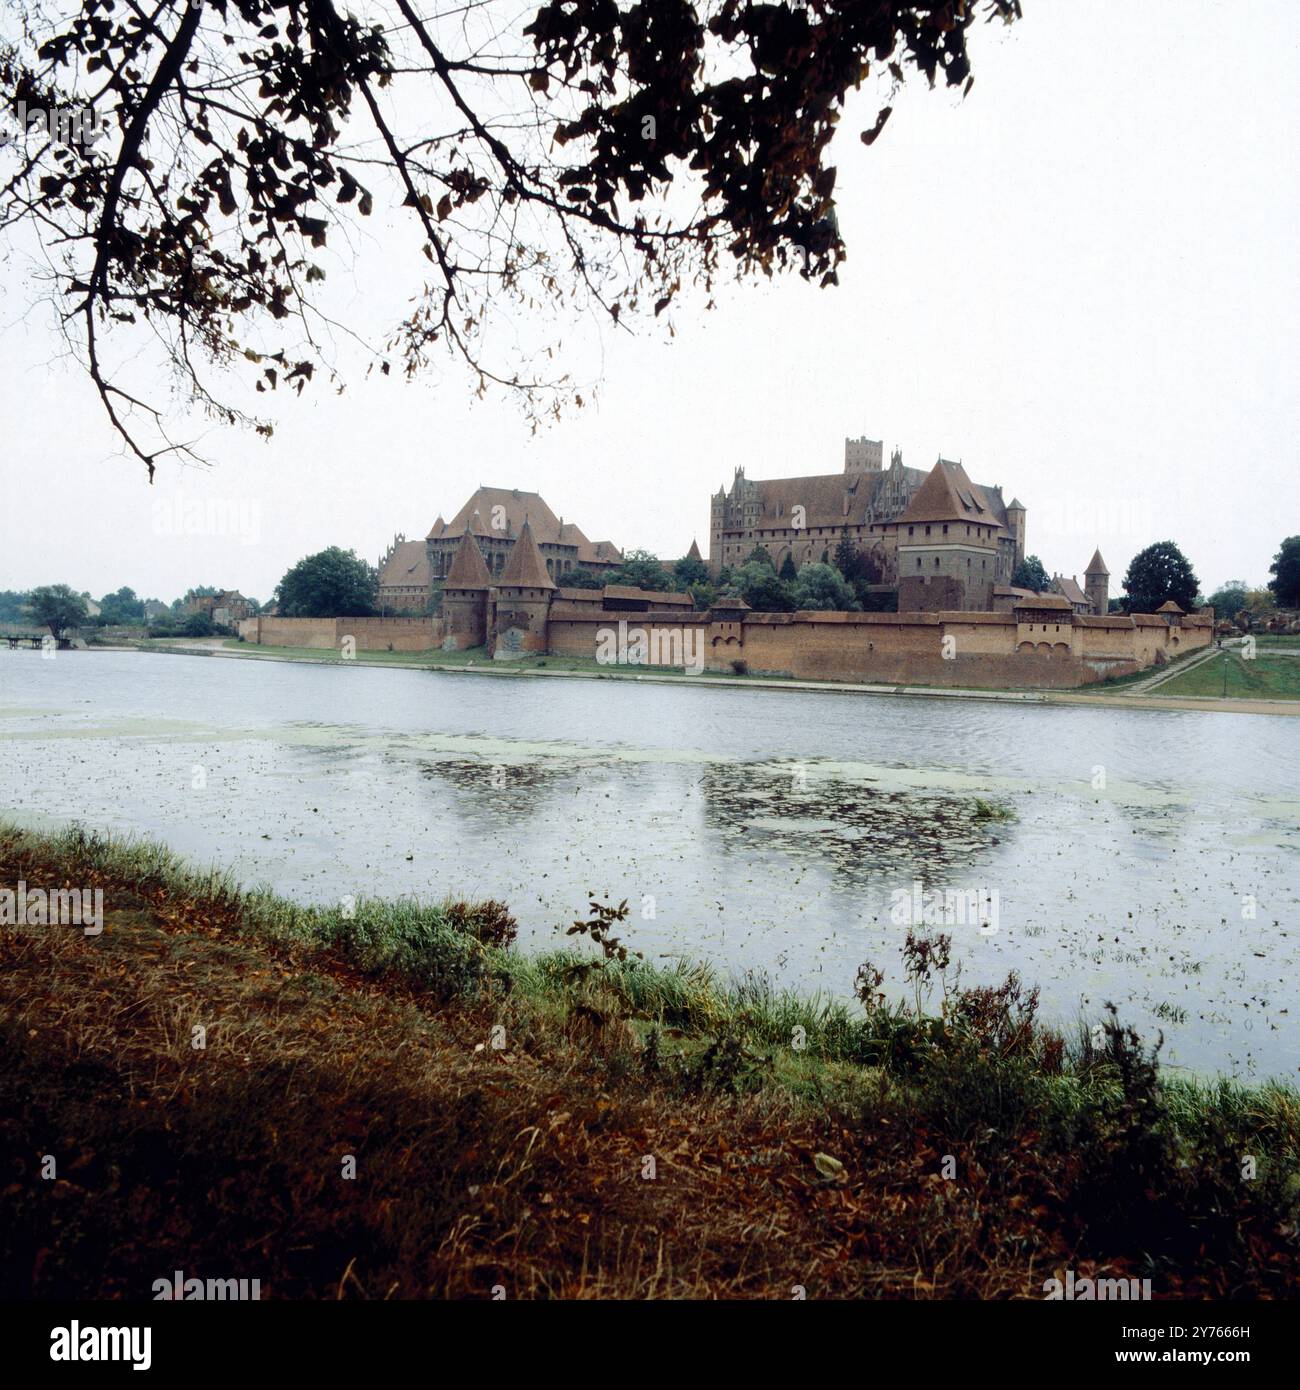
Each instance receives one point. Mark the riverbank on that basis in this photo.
(477, 664)
(383, 1099)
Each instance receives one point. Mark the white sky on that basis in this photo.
(1082, 281)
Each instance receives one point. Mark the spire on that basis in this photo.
(1096, 565)
(694, 552)
(525, 568)
(467, 568)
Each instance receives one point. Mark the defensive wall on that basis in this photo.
(1040, 644)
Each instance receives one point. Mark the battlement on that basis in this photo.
(863, 455)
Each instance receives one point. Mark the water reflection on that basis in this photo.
(763, 830)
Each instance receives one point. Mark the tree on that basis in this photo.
(761, 588)
(823, 587)
(1030, 574)
(1157, 574)
(788, 573)
(331, 584)
(857, 566)
(689, 571)
(1229, 600)
(56, 607)
(703, 596)
(617, 152)
(759, 556)
(121, 607)
(198, 625)
(13, 606)
(584, 579)
(1285, 570)
(642, 570)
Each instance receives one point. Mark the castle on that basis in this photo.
(413, 574)
(1034, 641)
(943, 541)
(948, 546)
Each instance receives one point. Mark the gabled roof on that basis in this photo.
(467, 568)
(406, 567)
(1169, 606)
(1096, 565)
(525, 568)
(660, 597)
(1070, 588)
(949, 495)
(1053, 601)
(694, 552)
(509, 509)
(515, 506)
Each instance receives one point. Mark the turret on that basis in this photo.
(1096, 584)
(1016, 522)
(465, 598)
(522, 601)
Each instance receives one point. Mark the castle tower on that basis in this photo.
(1096, 584)
(465, 598)
(522, 602)
(946, 543)
(1016, 520)
(864, 455)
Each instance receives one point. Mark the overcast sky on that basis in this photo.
(1081, 281)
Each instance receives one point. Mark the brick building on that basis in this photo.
(413, 574)
(805, 518)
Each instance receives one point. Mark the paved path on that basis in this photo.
(1176, 668)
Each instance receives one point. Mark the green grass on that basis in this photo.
(1263, 678)
(1137, 1165)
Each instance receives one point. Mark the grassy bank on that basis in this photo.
(578, 1123)
(1263, 677)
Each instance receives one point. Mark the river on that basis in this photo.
(1150, 860)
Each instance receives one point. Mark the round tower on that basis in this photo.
(465, 598)
(522, 605)
(1096, 585)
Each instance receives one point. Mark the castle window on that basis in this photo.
(918, 562)
(911, 530)
(936, 562)
(945, 528)
(927, 530)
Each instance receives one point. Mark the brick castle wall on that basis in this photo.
(955, 649)
(327, 634)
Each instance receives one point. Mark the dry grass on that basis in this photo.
(525, 1167)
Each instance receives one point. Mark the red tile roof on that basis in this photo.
(406, 568)
(525, 568)
(949, 495)
(467, 568)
